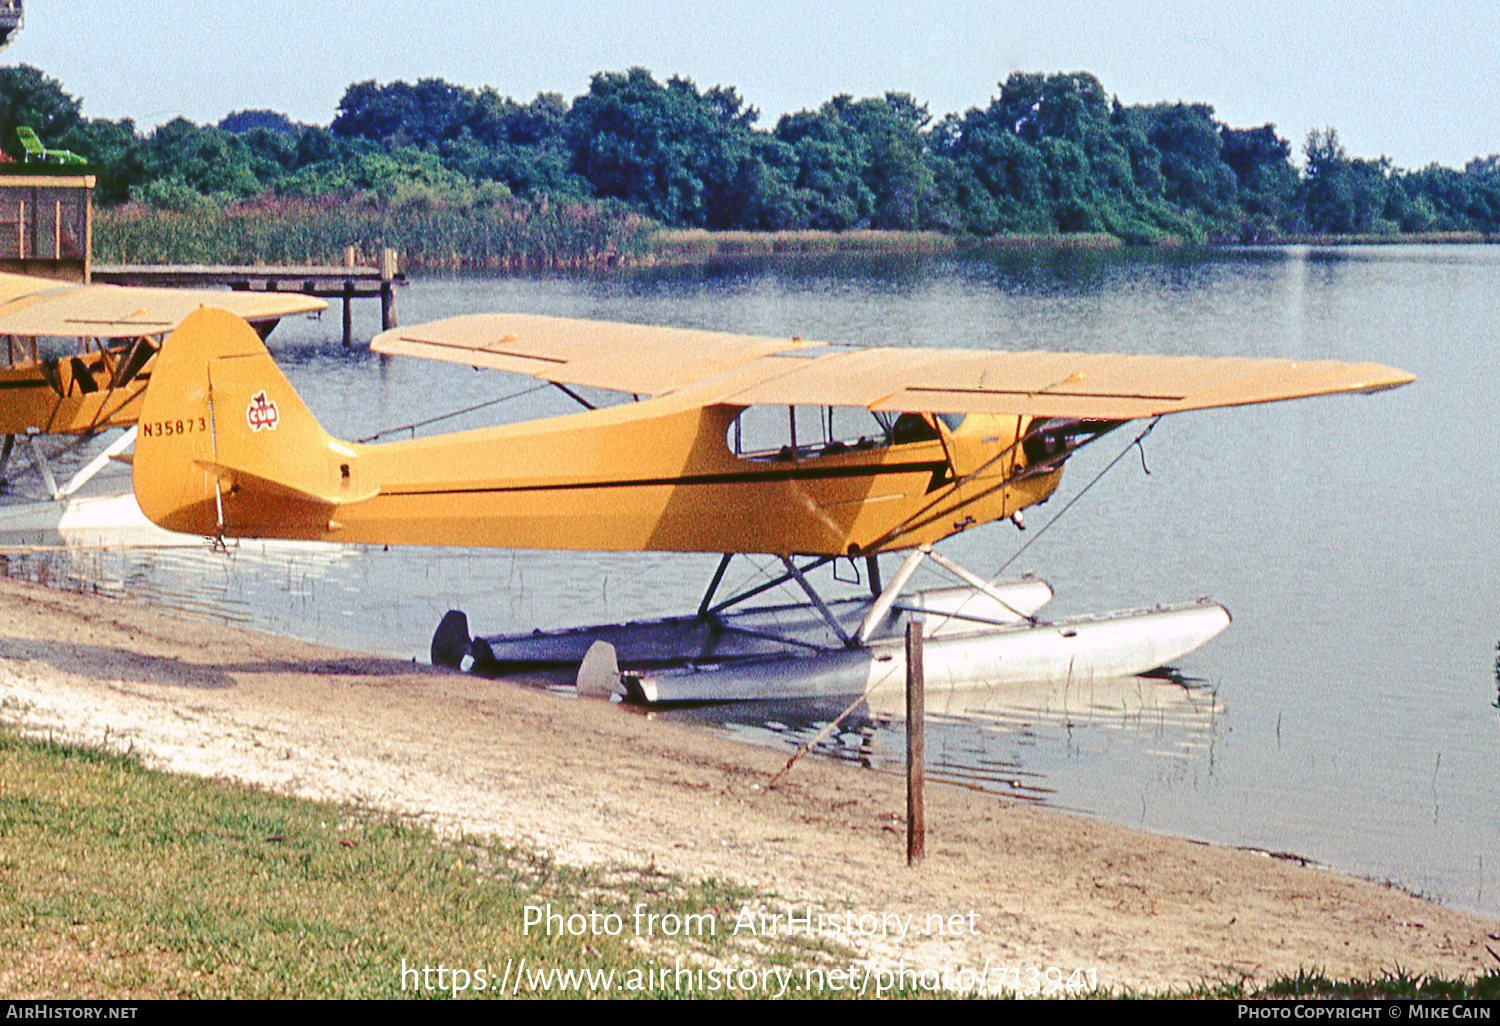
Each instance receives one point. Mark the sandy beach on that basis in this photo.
(594, 784)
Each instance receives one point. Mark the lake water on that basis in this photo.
(1348, 714)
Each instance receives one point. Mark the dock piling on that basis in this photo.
(387, 292)
(348, 297)
(345, 281)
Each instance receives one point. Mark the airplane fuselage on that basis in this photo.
(227, 448)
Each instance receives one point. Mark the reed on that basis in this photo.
(505, 235)
(432, 234)
(1388, 239)
(696, 243)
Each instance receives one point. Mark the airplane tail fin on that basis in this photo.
(227, 447)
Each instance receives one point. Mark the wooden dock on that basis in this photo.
(348, 281)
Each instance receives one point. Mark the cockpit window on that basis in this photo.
(786, 433)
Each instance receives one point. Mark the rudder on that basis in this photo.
(226, 446)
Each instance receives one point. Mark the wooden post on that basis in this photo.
(387, 289)
(88, 232)
(57, 230)
(916, 747)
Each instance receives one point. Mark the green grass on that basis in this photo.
(121, 882)
(1395, 985)
(118, 881)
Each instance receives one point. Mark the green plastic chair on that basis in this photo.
(36, 151)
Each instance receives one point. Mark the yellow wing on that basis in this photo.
(746, 370)
(638, 358)
(37, 306)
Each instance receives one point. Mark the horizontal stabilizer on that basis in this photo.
(242, 481)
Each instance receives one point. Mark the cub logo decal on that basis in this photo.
(261, 413)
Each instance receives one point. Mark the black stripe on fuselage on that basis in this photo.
(937, 468)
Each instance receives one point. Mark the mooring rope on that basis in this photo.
(1082, 492)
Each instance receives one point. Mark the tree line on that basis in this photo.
(1049, 154)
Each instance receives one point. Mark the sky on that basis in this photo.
(1415, 83)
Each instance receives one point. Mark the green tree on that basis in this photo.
(1267, 182)
(242, 121)
(1187, 171)
(830, 160)
(1038, 107)
(680, 155)
(1000, 179)
(28, 98)
(208, 160)
(1442, 199)
(895, 166)
(400, 114)
(1341, 195)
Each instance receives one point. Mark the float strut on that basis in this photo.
(978, 583)
(42, 465)
(886, 598)
(828, 617)
(98, 463)
(713, 585)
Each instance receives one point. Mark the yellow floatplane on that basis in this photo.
(78, 356)
(960, 438)
(78, 359)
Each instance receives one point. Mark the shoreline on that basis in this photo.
(608, 247)
(686, 246)
(591, 784)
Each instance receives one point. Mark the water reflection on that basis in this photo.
(995, 739)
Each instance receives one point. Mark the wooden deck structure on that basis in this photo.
(11, 18)
(46, 219)
(347, 282)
